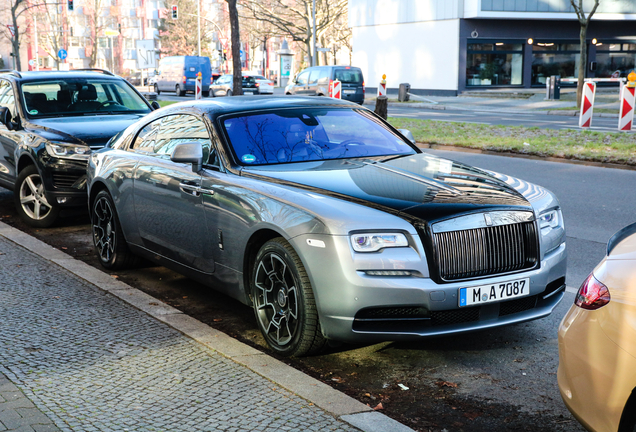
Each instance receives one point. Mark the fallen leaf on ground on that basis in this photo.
(441, 384)
(378, 407)
(217, 319)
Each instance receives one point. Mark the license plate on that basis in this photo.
(248, 91)
(494, 292)
(348, 91)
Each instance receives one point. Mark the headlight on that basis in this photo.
(373, 242)
(549, 220)
(68, 151)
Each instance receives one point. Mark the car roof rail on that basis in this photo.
(104, 71)
(11, 71)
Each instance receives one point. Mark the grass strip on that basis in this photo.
(607, 147)
(166, 103)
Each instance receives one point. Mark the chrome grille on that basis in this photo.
(486, 251)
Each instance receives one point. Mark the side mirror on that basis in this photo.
(5, 117)
(407, 134)
(189, 152)
(155, 105)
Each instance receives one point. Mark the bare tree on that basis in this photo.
(293, 18)
(584, 21)
(179, 36)
(93, 10)
(15, 9)
(51, 37)
(237, 88)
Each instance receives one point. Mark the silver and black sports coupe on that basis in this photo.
(332, 224)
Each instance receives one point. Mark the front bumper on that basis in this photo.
(64, 181)
(416, 306)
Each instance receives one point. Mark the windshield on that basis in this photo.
(298, 135)
(78, 96)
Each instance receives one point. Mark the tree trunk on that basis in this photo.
(381, 106)
(582, 65)
(237, 87)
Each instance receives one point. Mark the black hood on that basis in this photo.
(422, 186)
(91, 130)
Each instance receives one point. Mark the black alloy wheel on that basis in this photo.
(108, 238)
(284, 303)
(30, 199)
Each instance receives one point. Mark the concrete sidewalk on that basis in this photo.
(82, 351)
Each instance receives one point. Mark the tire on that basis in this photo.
(157, 90)
(108, 238)
(205, 93)
(284, 302)
(30, 200)
(228, 93)
(178, 91)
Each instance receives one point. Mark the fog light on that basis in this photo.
(388, 273)
(62, 200)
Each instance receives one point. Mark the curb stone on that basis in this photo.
(330, 400)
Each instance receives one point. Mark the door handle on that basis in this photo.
(193, 189)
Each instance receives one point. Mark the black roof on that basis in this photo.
(236, 104)
(37, 75)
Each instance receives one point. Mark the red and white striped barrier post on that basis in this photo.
(336, 90)
(198, 87)
(382, 87)
(587, 104)
(628, 96)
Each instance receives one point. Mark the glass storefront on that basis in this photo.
(494, 63)
(550, 58)
(615, 59)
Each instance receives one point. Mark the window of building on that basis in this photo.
(615, 60)
(494, 63)
(103, 42)
(552, 58)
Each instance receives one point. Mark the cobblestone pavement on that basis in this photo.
(90, 362)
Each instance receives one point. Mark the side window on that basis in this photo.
(323, 78)
(179, 129)
(314, 76)
(302, 78)
(145, 140)
(6, 97)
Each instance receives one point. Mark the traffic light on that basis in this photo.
(175, 11)
(70, 5)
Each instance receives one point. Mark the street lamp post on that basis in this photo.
(313, 35)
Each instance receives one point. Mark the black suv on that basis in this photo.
(49, 124)
(318, 80)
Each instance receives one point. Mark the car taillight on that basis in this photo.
(363, 89)
(592, 295)
(257, 84)
(184, 79)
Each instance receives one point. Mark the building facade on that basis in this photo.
(443, 47)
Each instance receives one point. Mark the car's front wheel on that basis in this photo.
(284, 302)
(178, 91)
(228, 93)
(108, 238)
(30, 200)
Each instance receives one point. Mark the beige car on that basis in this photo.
(597, 342)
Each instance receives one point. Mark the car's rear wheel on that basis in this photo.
(30, 200)
(108, 238)
(157, 89)
(284, 301)
(178, 90)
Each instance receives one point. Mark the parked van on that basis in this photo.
(315, 81)
(178, 74)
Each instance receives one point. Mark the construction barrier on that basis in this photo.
(335, 89)
(198, 87)
(587, 104)
(626, 116)
(382, 86)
